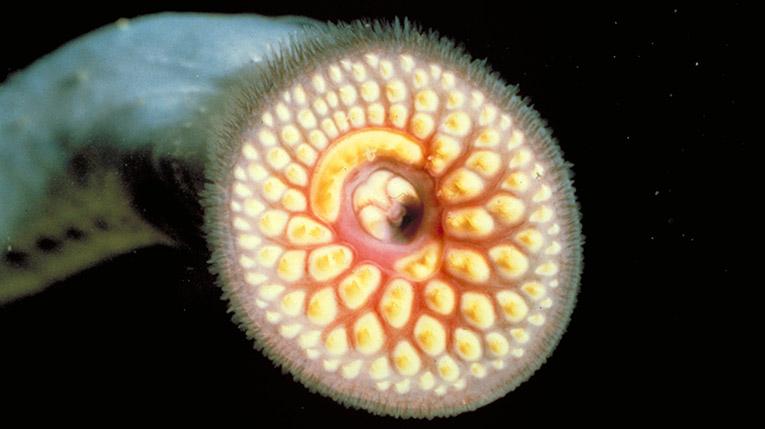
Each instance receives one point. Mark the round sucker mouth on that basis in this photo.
(393, 225)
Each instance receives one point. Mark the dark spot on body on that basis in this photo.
(74, 234)
(101, 224)
(48, 244)
(16, 259)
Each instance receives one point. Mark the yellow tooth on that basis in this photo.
(320, 106)
(497, 344)
(267, 138)
(554, 230)
(290, 330)
(376, 114)
(309, 339)
(477, 309)
(447, 368)
(543, 194)
(516, 182)
(246, 262)
(399, 115)
(405, 359)
(267, 255)
(447, 80)
(467, 265)
(488, 115)
(488, 137)
(547, 269)
(511, 262)
(427, 381)
(294, 201)
(241, 224)
(407, 63)
(273, 189)
(400, 189)
(420, 265)
(306, 154)
(336, 342)
(291, 265)
(534, 290)
(553, 249)
(356, 288)
(331, 365)
(296, 174)
(272, 222)
(396, 302)
(341, 119)
(516, 139)
(299, 94)
(439, 297)
(317, 139)
(484, 163)
(322, 307)
(292, 303)
(457, 123)
(445, 150)
(519, 335)
(395, 91)
(536, 319)
(460, 186)
(505, 122)
(541, 215)
(348, 95)
(469, 222)
(268, 119)
(467, 345)
(531, 239)
(241, 190)
(257, 172)
(306, 119)
(255, 279)
(290, 136)
(368, 334)
(248, 241)
(506, 208)
(430, 335)
(513, 306)
(478, 370)
(375, 222)
(403, 386)
(520, 159)
(352, 369)
(277, 158)
(422, 125)
(283, 112)
(332, 99)
(370, 91)
(476, 99)
(356, 116)
(455, 100)
(270, 292)
(426, 101)
(239, 173)
(303, 230)
(349, 152)
(379, 368)
(335, 74)
(328, 262)
(253, 207)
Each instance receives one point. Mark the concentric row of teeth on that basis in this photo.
(461, 305)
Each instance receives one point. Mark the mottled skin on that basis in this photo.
(390, 222)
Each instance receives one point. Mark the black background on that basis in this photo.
(645, 103)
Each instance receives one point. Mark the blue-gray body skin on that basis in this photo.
(137, 86)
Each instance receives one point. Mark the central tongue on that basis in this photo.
(390, 213)
(388, 207)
